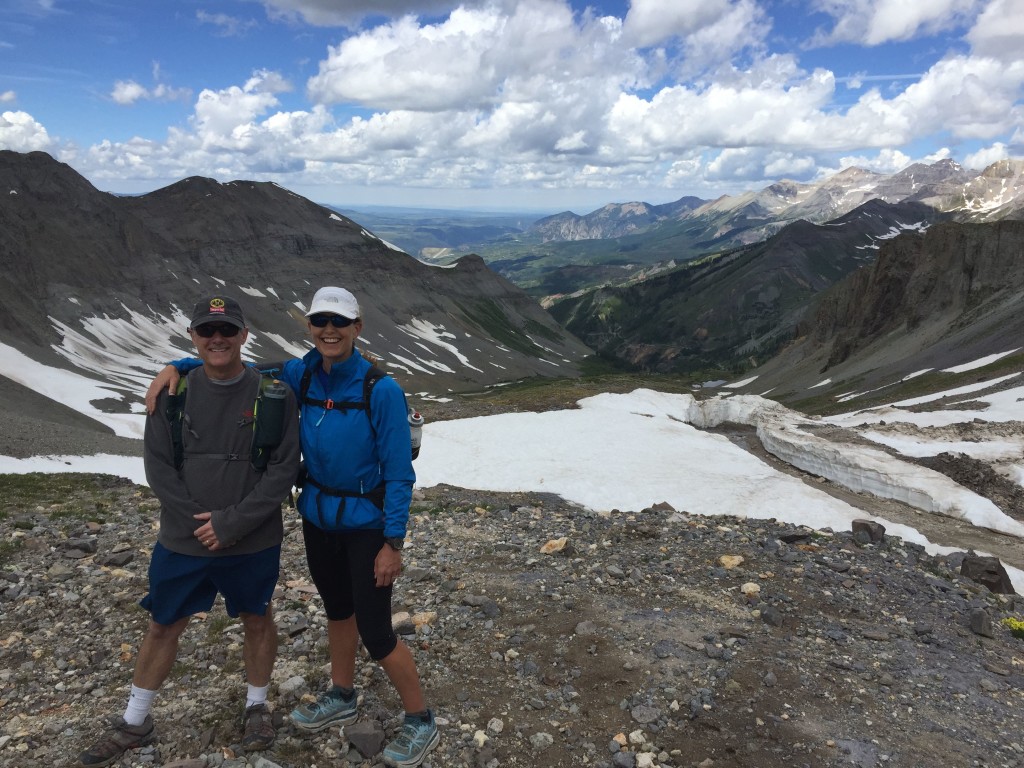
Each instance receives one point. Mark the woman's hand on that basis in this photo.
(387, 566)
(168, 377)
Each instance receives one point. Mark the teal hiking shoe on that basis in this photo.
(330, 708)
(413, 743)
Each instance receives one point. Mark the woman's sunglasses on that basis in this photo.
(321, 321)
(206, 330)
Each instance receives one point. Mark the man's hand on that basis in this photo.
(387, 566)
(205, 532)
(168, 377)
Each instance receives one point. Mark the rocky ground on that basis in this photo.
(545, 634)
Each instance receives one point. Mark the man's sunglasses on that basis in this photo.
(321, 321)
(206, 330)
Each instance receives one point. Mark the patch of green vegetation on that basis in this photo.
(540, 393)
(296, 753)
(608, 308)
(489, 316)
(8, 549)
(181, 668)
(426, 509)
(73, 496)
(217, 624)
(532, 326)
(1015, 625)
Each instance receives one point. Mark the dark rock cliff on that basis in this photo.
(929, 302)
(952, 275)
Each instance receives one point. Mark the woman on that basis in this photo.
(355, 508)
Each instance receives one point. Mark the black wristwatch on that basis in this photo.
(395, 542)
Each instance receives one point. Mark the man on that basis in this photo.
(220, 524)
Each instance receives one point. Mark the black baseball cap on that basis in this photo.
(218, 309)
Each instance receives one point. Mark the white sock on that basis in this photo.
(256, 695)
(139, 703)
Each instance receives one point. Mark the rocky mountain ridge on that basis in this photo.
(620, 243)
(930, 301)
(102, 285)
(996, 192)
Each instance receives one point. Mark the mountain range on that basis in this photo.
(103, 285)
(622, 242)
(807, 276)
(857, 280)
(738, 306)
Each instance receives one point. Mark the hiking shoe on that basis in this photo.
(118, 739)
(328, 709)
(412, 744)
(258, 728)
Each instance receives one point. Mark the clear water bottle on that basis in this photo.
(415, 431)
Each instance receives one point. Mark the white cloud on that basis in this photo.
(225, 119)
(885, 161)
(650, 22)
(329, 13)
(127, 92)
(20, 132)
(772, 105)
(228, 26)
(984, 157)
(999, 30)
(874, 22)
(6, 97)
(969, 97)
(531, 95)
(477, 59)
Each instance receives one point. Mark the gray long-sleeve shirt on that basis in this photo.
(245, 504)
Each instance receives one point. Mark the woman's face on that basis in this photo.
(334, 343)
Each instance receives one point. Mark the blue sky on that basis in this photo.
(538, 104)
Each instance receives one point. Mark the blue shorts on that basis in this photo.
(183, 585)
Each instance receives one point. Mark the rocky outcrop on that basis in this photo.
(955, 274)
(613, 220)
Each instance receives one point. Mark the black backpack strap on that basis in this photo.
(376, 495)
(175, 412)
(267, 427)
(373, 375)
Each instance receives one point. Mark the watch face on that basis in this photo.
(395, 542)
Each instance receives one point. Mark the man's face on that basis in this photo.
(220, 348)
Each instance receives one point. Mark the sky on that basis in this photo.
(630, 451)
(539, 105)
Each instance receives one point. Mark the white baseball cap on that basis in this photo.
(334, 301)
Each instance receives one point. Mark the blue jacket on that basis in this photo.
(340, 451)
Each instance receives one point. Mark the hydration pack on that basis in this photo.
(373, 375)
(267, 425)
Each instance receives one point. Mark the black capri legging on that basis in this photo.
(341, 565)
